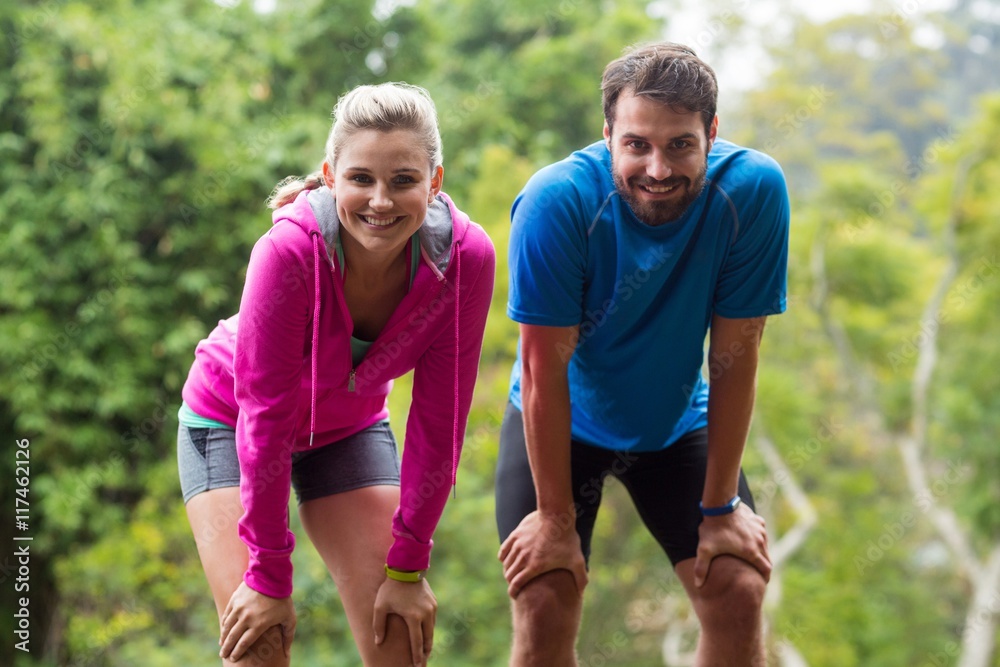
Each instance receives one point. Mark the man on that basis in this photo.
(622, 258)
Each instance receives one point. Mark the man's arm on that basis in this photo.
(733, 354)
(545, 354)
(546, 539)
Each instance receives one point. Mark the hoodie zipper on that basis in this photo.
(399, 326)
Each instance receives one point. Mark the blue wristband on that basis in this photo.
(728, 508)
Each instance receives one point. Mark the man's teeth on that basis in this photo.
(379, 222)
(660, 189)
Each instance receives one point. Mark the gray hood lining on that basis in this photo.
(435, 234)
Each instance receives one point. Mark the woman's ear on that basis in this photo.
(437, 180)
(328, 174)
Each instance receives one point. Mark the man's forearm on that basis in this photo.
(547, 434)
(730, 407)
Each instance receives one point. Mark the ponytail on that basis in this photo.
(287, 190)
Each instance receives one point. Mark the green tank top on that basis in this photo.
(359, 347)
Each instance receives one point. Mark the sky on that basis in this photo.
(743, 66)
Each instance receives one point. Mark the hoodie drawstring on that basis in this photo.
(454, 431)
(315, 349)
(315, 337)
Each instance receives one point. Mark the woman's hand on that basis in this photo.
(416, 604)
(248, 615)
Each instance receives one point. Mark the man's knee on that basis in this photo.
(550, 599)
(734, 590)
(546, 617)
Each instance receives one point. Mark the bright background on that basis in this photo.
(139, 140)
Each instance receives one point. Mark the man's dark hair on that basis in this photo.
(666, 72)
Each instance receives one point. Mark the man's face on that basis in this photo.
(659, 157)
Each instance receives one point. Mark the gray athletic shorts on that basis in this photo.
(206, 459)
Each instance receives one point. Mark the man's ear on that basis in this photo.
(713, 131)
(607, 134)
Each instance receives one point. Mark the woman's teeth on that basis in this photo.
(378, 222)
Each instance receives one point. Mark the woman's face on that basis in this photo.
(383, 185)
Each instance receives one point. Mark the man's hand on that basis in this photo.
(741, 534)
(248, 615)
(542, 543)
(414, 603)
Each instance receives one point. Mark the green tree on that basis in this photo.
(135, 165)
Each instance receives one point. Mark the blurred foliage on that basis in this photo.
(138, 142)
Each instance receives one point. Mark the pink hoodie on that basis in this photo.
(283, 376)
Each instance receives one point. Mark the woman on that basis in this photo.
(368, 272)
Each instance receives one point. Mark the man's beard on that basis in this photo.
(655, 213)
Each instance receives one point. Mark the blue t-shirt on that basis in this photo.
(644, 296)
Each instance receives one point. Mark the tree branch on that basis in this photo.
(912, 446)
(978, 637)
(794, 537)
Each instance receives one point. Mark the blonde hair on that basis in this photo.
(384, 107)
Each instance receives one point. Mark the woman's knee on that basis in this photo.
(394, 651)
(267, 651)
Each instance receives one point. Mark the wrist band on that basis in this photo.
(406, 577)
(728, 508)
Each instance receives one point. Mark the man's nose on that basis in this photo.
(658, 168)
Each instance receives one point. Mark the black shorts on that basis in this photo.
(665, 486)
